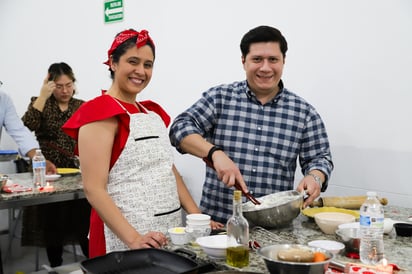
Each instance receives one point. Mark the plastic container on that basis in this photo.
(197, 225)
(371, 249)
(39, 170)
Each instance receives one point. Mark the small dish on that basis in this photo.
(52, 177)
(68, 171)
(178, 235)
(332, 246)
(349, 225)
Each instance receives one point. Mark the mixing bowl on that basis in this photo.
(214, 246)
(276, 210)
(274, 265)
(350, 237)
(328, 222)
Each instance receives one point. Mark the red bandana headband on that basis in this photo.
(142, 39)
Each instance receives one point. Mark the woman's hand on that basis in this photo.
(152, 239)
(47, 88)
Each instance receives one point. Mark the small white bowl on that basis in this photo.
(198, 218)
(333, 247)
(52, 177)
(178, 235)
(349, 225)
(214, 246)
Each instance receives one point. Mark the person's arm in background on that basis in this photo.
(24, 139)
(186, 199)
(50, 167)
(45, 92)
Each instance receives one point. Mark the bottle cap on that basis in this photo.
(237, 195)
(371, 193)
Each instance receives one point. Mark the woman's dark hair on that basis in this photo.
(121, 49)
(58, 69)
(263, 34)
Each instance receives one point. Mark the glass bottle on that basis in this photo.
(237, 227)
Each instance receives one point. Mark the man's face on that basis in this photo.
(264, 67)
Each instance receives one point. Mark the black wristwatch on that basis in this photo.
(211, 151)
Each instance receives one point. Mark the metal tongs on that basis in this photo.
(249, 196)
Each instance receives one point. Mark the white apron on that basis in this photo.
(141, 182)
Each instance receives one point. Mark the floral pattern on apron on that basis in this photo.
(141, 182)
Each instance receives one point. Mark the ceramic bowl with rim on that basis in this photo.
(328, 222)
(332, 246)
(214, 246)
(178, 235)
(52, 177)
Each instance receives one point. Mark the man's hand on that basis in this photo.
(311, 187)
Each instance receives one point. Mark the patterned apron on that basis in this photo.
(141, 182)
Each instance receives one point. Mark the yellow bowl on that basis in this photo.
(311, 211)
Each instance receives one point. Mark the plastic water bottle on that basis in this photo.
(39, 169)
(371, 248)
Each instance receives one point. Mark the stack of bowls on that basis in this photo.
(197, 225)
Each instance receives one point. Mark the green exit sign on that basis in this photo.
(113, 11)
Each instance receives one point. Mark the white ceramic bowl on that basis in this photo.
(214, 246)
(349, 225)
(178, 235)
(197, 218)
(328, 222)
(332, 246)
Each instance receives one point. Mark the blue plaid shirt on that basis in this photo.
(264, 141)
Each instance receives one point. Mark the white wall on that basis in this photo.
(351, 59)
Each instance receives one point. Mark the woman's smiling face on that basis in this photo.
(134, 69)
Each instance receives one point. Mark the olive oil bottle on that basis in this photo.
(237, 227)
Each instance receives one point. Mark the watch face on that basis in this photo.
(317, 179)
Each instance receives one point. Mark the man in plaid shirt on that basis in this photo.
(254, 131)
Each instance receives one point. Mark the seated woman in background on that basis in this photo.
(57, 224)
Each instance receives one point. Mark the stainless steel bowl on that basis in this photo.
(285, 207)
(274, 265)
(350, 236)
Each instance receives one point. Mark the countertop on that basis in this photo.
(398, 250)
(301, 231)
(67, 187)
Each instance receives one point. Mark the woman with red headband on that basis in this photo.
(126, 157)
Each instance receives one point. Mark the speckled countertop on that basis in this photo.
(398, 250)
(66, 187)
